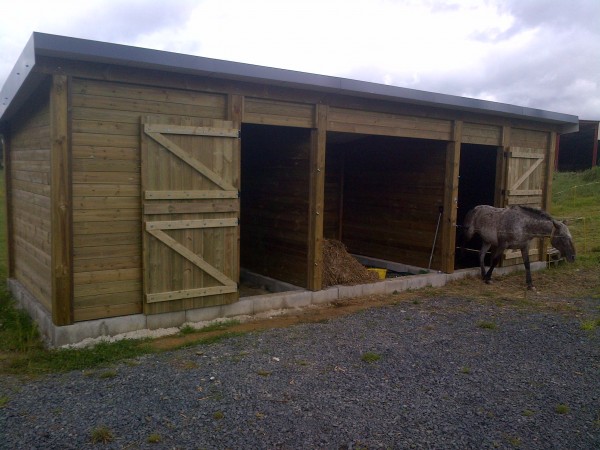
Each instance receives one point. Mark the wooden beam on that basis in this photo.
(547, 187)
(500, 199)
(61, 195)
(317, 199)
(8, 201)
(235, 114)
(448, 232)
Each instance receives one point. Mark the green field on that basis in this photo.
(576, 198)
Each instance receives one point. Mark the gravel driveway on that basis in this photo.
(443, 373)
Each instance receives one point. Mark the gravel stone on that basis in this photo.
(441, 382)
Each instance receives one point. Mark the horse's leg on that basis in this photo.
(525, 256)
(493, 263)
(482, 251)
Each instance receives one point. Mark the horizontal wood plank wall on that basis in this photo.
(29, 180)
(393, 189)
(272, 112)
(106, 187)
(376, 123)
(275, 202)
(477, 133)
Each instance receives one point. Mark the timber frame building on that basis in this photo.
(142, 183)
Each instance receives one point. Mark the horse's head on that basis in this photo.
(563, 241)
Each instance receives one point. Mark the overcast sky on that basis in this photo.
(538, 53)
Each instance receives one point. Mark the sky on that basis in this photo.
(542, 54)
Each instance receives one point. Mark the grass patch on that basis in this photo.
(39, 360)
(590, 325)
(486, 325)
(154, 438)
(218, 415)
(4, 401)
(466, 370)
(108, 374)
(527, 413)
(101, 435)
(264, 373)
(561, 409)
(370, 357)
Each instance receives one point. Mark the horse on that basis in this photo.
(513, 228)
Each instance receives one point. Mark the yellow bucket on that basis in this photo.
(381, 273)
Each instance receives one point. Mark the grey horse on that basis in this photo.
(513, 228)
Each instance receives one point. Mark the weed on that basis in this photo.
(515, 441)
(465, 370)
(218, 415)
(108, 374)
(102, 435)
(370, 357)
(219, 326)
(3, 401)
(528, 413)
(154, 438)
(590, 325)
(187, 329)
(561, 409)
(264, 373)
(487, 325)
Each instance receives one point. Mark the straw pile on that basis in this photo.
(339, 267)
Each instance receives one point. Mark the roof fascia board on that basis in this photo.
(95, 51)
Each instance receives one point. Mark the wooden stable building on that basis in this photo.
(140, 182)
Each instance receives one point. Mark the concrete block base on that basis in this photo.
(58, 336)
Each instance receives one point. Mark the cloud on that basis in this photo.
(538, 53)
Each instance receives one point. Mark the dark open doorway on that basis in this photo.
(477, 186)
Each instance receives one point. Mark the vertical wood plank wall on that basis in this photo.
(29, 190)
(106, 187)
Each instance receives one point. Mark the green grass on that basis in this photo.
(101, 435)
(562, 409)
(370, 357)
(576, 198)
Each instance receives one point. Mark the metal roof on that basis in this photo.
(23, 79)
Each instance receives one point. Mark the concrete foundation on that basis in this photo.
(248, 306)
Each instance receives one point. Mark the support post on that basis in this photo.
(448, 241)
(61, 200)
(317, 199)
(6, 154)
(547, 188)
(500, 198)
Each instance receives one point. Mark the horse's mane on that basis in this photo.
(535, 213)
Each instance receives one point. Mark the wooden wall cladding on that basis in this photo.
(476, 133)
(272, 112)
(106, 187)
(29, 190)
(385, 124)
(275, 202)
(392, 192)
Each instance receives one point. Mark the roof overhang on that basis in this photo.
(23, 79)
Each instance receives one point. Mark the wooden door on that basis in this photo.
(190, 182)
(525, 179)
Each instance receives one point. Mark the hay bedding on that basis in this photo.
(340, 267)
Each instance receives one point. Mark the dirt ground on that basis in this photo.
(557, 290)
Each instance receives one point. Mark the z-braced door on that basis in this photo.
(525, 179)
(190, 197)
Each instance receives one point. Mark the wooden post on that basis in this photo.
(500, 199)
(8, 202)
(547, 187)
(61, 204)
(448, 236)
(236, 115)
(317, 199)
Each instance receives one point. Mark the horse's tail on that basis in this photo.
(468, 226)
